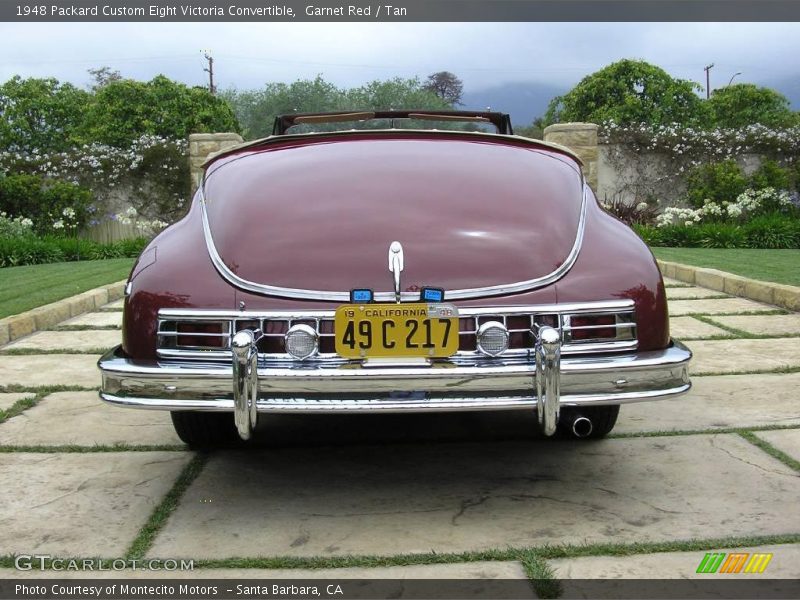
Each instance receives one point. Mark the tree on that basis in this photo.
(630, 92)
(102, 76)
(445, 85)
(41, 114)
(744, 104)
(123, 110)
(394, 94)
(256, 109)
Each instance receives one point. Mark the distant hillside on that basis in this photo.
(523, 101)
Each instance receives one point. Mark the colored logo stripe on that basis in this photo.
(734, 563)
(711, 562)
(758, 563)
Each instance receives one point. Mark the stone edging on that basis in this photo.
(47, 316)
(785, 296)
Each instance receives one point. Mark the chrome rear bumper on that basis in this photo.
(253, 386)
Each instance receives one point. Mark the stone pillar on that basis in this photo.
(202, 146)
(581, 138)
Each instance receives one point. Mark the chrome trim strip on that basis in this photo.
(568, 347)
(601, 306)
(302, 404)
(463, 294)
(438, 386)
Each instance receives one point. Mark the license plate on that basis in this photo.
(396, 330)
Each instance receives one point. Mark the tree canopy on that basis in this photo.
(630, 91)
(744, 103)
(41, 114)
(445, 85)
(46, 115)
(256, 109)
(122, 110)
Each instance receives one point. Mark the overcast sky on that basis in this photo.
(482, 54)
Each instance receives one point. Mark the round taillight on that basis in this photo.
(493, 338)
(301, 341)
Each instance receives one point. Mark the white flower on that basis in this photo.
(58, 224)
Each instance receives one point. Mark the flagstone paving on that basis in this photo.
(461, 497)
(738, 355)
(678, 308)
(689, 327)
(684, 293)
(787, 441)
(719, 402)
(88, 504)
(50, 369)
(669, 282)
(80, 418)
(785, 564)
(116, 305)
(75, 341)
(764, 324)
(96, 319)
(8, 400)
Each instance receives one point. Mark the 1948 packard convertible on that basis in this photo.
(392, 262)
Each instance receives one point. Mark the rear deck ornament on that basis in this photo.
(396, 266)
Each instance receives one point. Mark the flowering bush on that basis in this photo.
(14, 227)
(151, 175)
(748, 204)
(144, 228)
(48, 204)
(676, 163)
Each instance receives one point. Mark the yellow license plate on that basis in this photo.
(396, 330)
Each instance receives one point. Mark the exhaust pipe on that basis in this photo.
(581, 427)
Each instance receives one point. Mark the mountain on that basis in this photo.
(524, 101)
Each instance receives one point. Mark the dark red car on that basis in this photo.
(393, 262)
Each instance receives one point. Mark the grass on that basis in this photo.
(158, 518)
(771, 450)
(24, 288)
(778, 266)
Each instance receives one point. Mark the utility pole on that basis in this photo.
(708, 80)
(210, 70)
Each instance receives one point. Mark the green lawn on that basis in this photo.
(779, 266)
(24, 288)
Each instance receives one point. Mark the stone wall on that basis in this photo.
(581, 138)
(202, 146)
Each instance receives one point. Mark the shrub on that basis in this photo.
(32, 250)
(721, 235)
(772, 231)
(636, 213)
(14, 227)
(771, 175)
(683, 236)
(720, 183)
(649, 234)
(15, 251)
(50, 205)
(768, 231)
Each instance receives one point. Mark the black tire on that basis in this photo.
(603, 419)
(204, 429)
